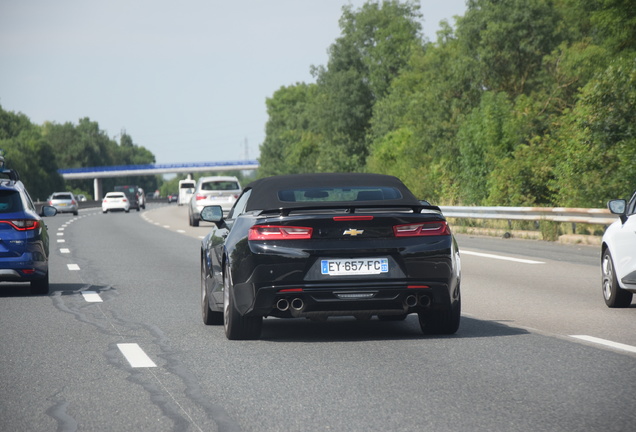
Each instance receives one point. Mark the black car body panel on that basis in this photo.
(386, 256)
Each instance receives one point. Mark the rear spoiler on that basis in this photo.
(351, 208)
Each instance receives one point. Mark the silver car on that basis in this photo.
(218, 190)
(618, 262)
(64, 202)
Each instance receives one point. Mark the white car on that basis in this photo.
(216, 190)
(115, 201)
(618, 255)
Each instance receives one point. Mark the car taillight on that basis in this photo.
(73, 202)
(422, 229)
(273, 232)
(200, 197)
(23, 224)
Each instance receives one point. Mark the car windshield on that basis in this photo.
(10, 201)
(339, 194)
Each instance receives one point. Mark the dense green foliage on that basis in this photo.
(37, 152)
(522, 102)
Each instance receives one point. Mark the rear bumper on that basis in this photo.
(22, 269)
(340, 299)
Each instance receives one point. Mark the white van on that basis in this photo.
(186, 189)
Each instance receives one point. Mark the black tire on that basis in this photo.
(615, 296)
(40, 286)
(210, 317)
(195, 221)
(444, 322)
(127, 211)
(104, 211)
(237, 326)
(75, 213)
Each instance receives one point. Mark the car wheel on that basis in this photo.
(40, 286)
(195, 221)
(127, 211)
(75, 213)
(444, 321)
(104, 211)
(615, 296)
(237, 327)
(190, 219)
(210, 317)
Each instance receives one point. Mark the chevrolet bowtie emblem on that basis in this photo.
(353, 232)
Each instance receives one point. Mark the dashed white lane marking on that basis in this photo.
(60, 233)
(166, 226)
(91, 297)
(135, 355)
(61, 229)
(72, 266)
(499, 257)
(180, 231)
(606, 342)
(65, 250)
(61, 241)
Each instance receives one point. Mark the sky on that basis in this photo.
(187, 79)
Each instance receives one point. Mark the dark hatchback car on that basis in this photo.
(24, 239)
(320, 245)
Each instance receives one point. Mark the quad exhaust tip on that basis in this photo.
(297, 304)
(282, 305)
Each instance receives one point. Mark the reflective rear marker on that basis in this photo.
(606, 342)
(135, 355)
(91, 297)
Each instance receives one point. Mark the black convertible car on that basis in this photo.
(320, 245)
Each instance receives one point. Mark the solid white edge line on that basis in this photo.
(92, 297)
(499, 257)
(135, 355)
(606, 342)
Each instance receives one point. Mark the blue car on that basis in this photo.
(24, 239)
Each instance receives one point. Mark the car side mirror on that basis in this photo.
(213, 214)
(618, 207)
(48, 211)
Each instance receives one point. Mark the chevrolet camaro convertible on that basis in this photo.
(320, 245)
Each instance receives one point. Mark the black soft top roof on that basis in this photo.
(265, 194)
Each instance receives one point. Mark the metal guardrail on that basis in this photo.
(555, 214)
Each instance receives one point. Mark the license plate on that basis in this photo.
(62, 204)
(361, 266)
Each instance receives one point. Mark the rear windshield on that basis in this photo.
(220, 185)
(10, 201)
(62, 196)
(339, 194)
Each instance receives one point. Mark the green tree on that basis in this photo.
(594, 144)
(377, 41)
(508, 39)
(290, 146)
